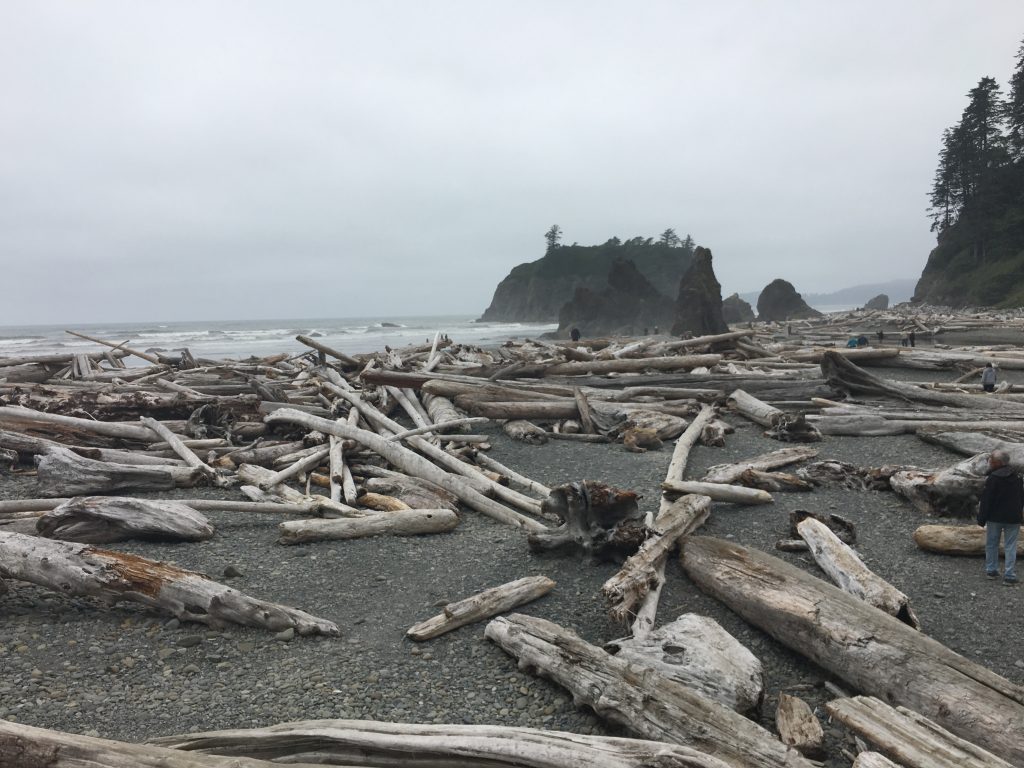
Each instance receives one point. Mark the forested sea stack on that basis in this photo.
(977, 203)
(627, 305)
(699, 303)
(780, 301)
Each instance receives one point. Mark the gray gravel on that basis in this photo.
(127, 673)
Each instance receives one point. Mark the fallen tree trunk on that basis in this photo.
(26, 417)
(406, 522)
(695, 651)
(62, 472)
(414, 745)
(908, 737)
(872, 651)
(598, 519)
(730, 473)
(966, 540)
(482, 605)
(733, 494)
(649, 704)
(950, 492)
(627, 365)
(78, 569)
(104, 519)
(849, 573)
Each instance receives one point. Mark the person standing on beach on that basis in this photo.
(574, 334)
(988, 378)
(913, 338)
(881, 337)
(1000, 512)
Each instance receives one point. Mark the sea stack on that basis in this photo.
(699, 303)
(736, 310)
(627, 306)
(780, 301)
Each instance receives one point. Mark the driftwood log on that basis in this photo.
(482, 605)
(649, 705)
(788, 427)
(732, 494)
(103, 519)
(78, 569)
(872, 651)
(413, 745)
(730, 473)
(695, 651)
(798, 727)
(950, 492)
(966, 540)
(909, 738)
(61, 472)
(407, 522)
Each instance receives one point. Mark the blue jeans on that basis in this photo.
(1009, 532)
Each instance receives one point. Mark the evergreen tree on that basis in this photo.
(1015, 109)
(669, 238)
(688, 244)
(553, 236)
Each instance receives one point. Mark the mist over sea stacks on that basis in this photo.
(780, 301)
(881, 301)
(736, 310)
(699, 303)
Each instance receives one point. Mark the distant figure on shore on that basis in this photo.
(904, 342)
(1000, 512)
(881, 336)
(912, 338)
(852, 343)
(574, 334)
(789, 330)
(988, 378)
(862, 340)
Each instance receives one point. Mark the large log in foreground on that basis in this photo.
(872, 651)
(61, 472)
(966, 540)
(78, 569)
(648, 704)
(414, 745)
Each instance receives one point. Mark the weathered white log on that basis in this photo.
(403, 400)
(872, 651)
(382, 502)
(82, 570)
(120, 347)
(733, 494)
(584, 408)
(798, 727)
(681, 452)
(780, 425)
(640, 572)
(873, 760)
(257, 477)
(649, 705)
(347, 361)
(62, 472)
(23, 746)
(950, 492)
(411, 463)
(524, 431)
(968, 540)
(911, 739)
(973, 443)
(26, 417)
(515, 479)
(672, 363)
(407, 522)
(729, 473)
(103, 519)
(412, 745)
(695, 651)
(302, 465)
(441, 409)
(416, 494)
(849, 573)
(482, 605)
(441, 426)
(187, 454)
(30, 445)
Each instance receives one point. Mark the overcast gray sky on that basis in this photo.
(225, 160)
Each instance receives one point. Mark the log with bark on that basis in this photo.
(849, 573)
(104, 519)
(909, 738)
(597, 519)
(649, 705)
(730, 473)
(482, 605)
(950, 492)
(416, 494)
(82, 570)
(695, 651)
(870, 650)
(414, 745)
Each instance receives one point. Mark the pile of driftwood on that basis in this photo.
(387, 438)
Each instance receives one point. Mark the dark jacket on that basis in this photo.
(1003, 497)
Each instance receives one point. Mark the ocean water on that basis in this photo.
(245, 338)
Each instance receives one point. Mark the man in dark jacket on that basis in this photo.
(1000, 512)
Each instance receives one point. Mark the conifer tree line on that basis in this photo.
(981, 162)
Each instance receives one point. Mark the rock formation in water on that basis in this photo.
(699, 302)
(881, 301)
(780, 301)
(626, 306)
(535, 292)
(736, 310)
